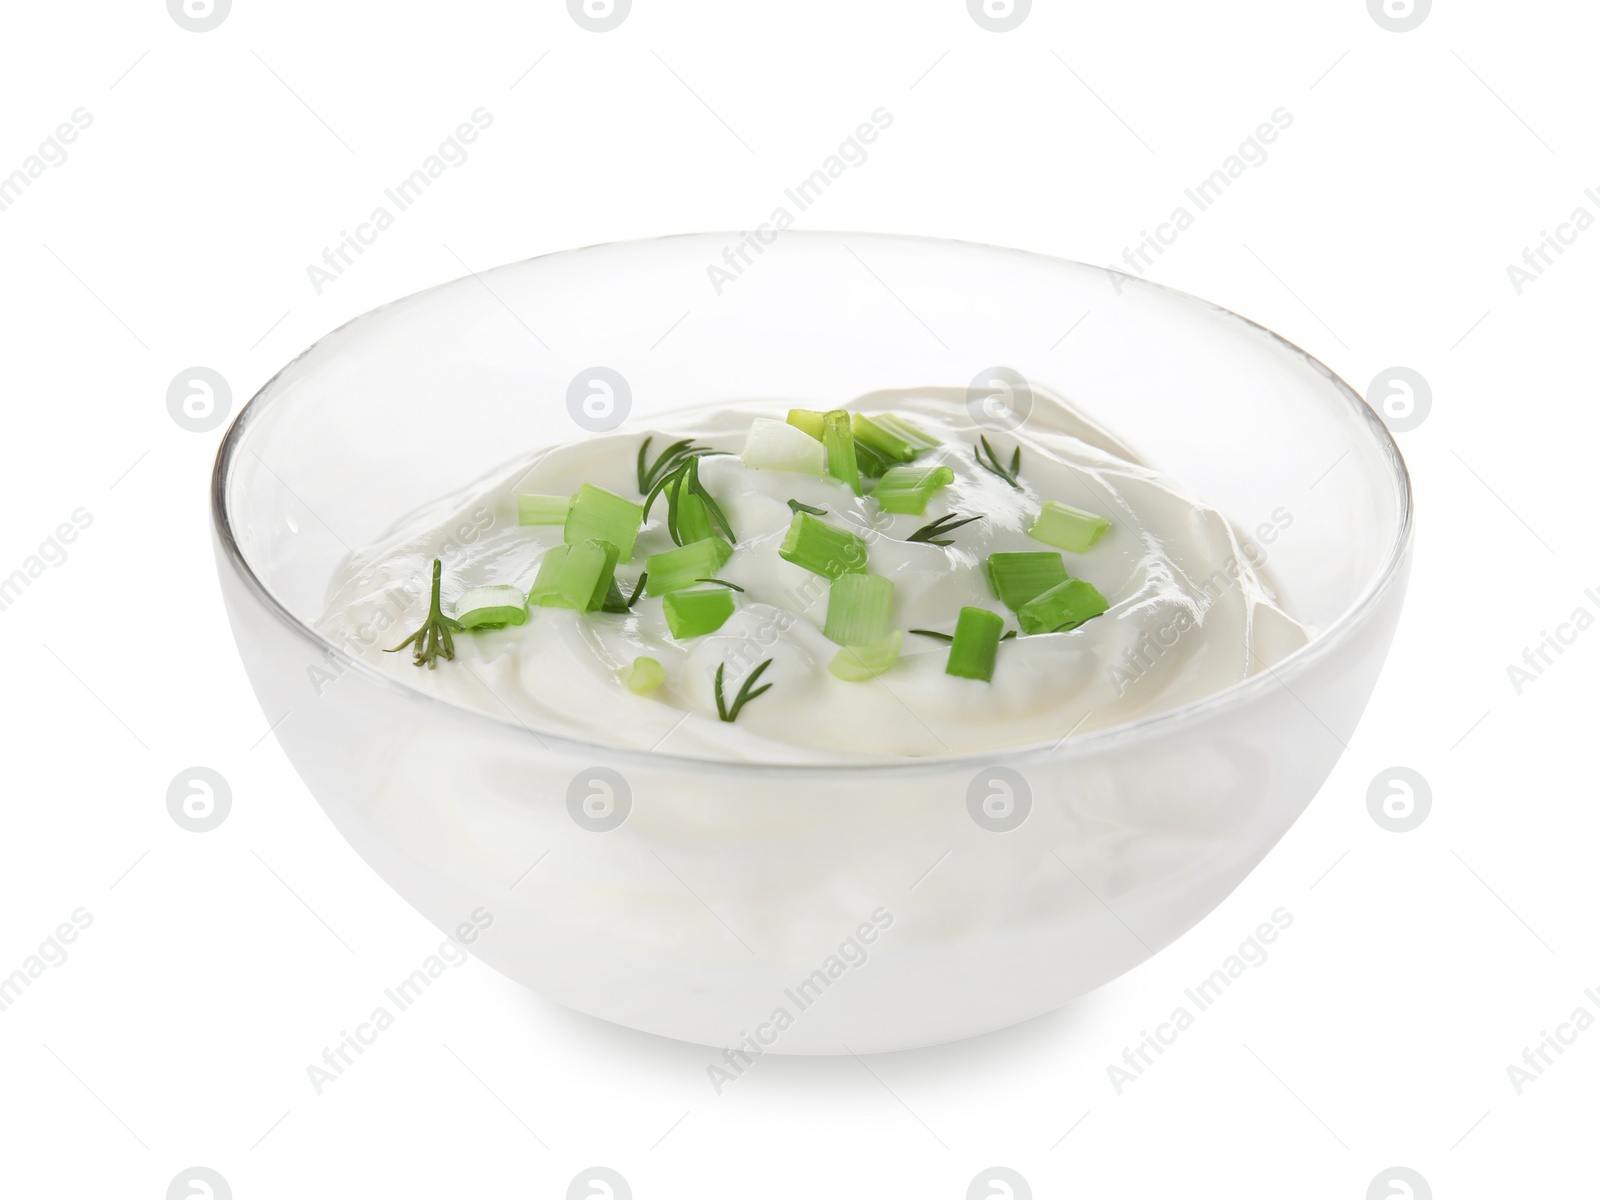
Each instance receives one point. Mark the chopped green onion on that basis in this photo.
(542, 510)
(858, 609)
(869, 462)
(575, 576)
(694, 612)
(977, 641)
(908, 489)
(906, 432)
(1016, 579)
(1063, 607)
(643, 675)
(868, 431)
(841, 446)
(730, 712)
(856, 664)
(933, 532)
(777, 446)
(603, 516)
(807, 420)
(492, 607)
(1070, 528)
(821, 548)
(990, 462)
(686, 566)
(796, 506)
(432, 639)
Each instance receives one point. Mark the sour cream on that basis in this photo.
(1192, 608)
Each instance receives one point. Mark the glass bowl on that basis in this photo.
(804, 909)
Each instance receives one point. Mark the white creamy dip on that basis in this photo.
(1191, 611)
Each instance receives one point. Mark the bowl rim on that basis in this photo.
(1236, 694)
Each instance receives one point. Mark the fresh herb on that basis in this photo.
(684, 480)
(723, 582)
(993, 464)
(670, 459)
(943, 637)
(933, 533)
(730, 712)
(796, 506)
(615, 602)
(433, 639)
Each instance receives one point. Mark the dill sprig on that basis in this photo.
(730, 712)
(681, 480)
(433, 639)
(993, 464)
(796, 506)
(668, 461)
(933, 533)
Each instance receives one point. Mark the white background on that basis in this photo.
(217, 967)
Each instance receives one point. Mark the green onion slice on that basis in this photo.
(977, 641)
(858, 609)
(686, 566)
(821, 548)
(1063, 607)
(807, 420)
(841, 446)
(695, 612)
(643, 675)
(542, 510)
(779, 446)
(492, 607)
(1070, 528)
(1016, 578)
(599, 515)
(868, 431)
(908, 489)
(857, 664)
